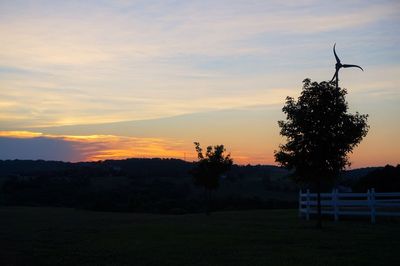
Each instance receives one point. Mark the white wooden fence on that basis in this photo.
(338, 204)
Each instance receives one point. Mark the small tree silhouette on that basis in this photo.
(320, 133)
(209, 169)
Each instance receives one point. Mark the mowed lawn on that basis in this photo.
(60, 236)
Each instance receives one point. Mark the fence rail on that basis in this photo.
(338, 204)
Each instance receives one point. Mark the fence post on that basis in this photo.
(308, 205)
(300, 192)
(335, 204)
(372, 201)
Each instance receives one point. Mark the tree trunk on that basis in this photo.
(206, 210)
(209, 203)
(319, 212)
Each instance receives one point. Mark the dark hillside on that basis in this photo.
(146, 185)
(139, 185)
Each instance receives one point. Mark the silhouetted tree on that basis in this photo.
(209, 168)
(320, 133)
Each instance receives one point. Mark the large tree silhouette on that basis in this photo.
(209, 169)
(320, 134)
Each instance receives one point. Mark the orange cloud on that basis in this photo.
(102, 147)
(20, 134)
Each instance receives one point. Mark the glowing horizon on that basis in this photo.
(112, 147)
(88, 148)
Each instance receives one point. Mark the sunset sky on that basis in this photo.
(95, 80)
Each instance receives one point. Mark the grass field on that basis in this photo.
(59, 236)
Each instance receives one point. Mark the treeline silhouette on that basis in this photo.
(148, 185)
(386, 179)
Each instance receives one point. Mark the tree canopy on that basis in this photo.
(320, 132)
(211, 166)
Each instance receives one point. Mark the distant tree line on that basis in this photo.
(161, 185)
(386, 179)
(138, 185)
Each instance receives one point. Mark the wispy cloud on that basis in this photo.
(142, 31)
